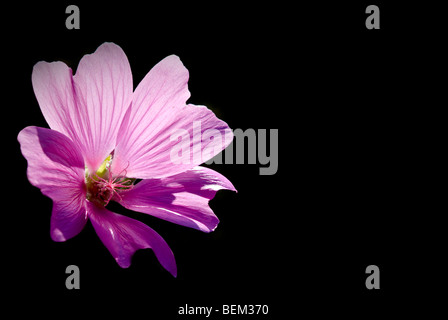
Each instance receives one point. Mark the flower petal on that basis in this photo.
(182, 199)
(56, 167)
(156, 121)
(89, 107)
(122, 236)
(53, 87)
(103, 84)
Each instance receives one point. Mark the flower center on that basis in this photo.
(103, 186)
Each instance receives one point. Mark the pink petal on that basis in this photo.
(103, 84)
(53, 87)
(159, 113)
(182, 199)
(122, 236)
(89, 107)
(56, 167)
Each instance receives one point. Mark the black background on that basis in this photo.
(351, 109)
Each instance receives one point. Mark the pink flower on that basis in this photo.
(104, 136)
